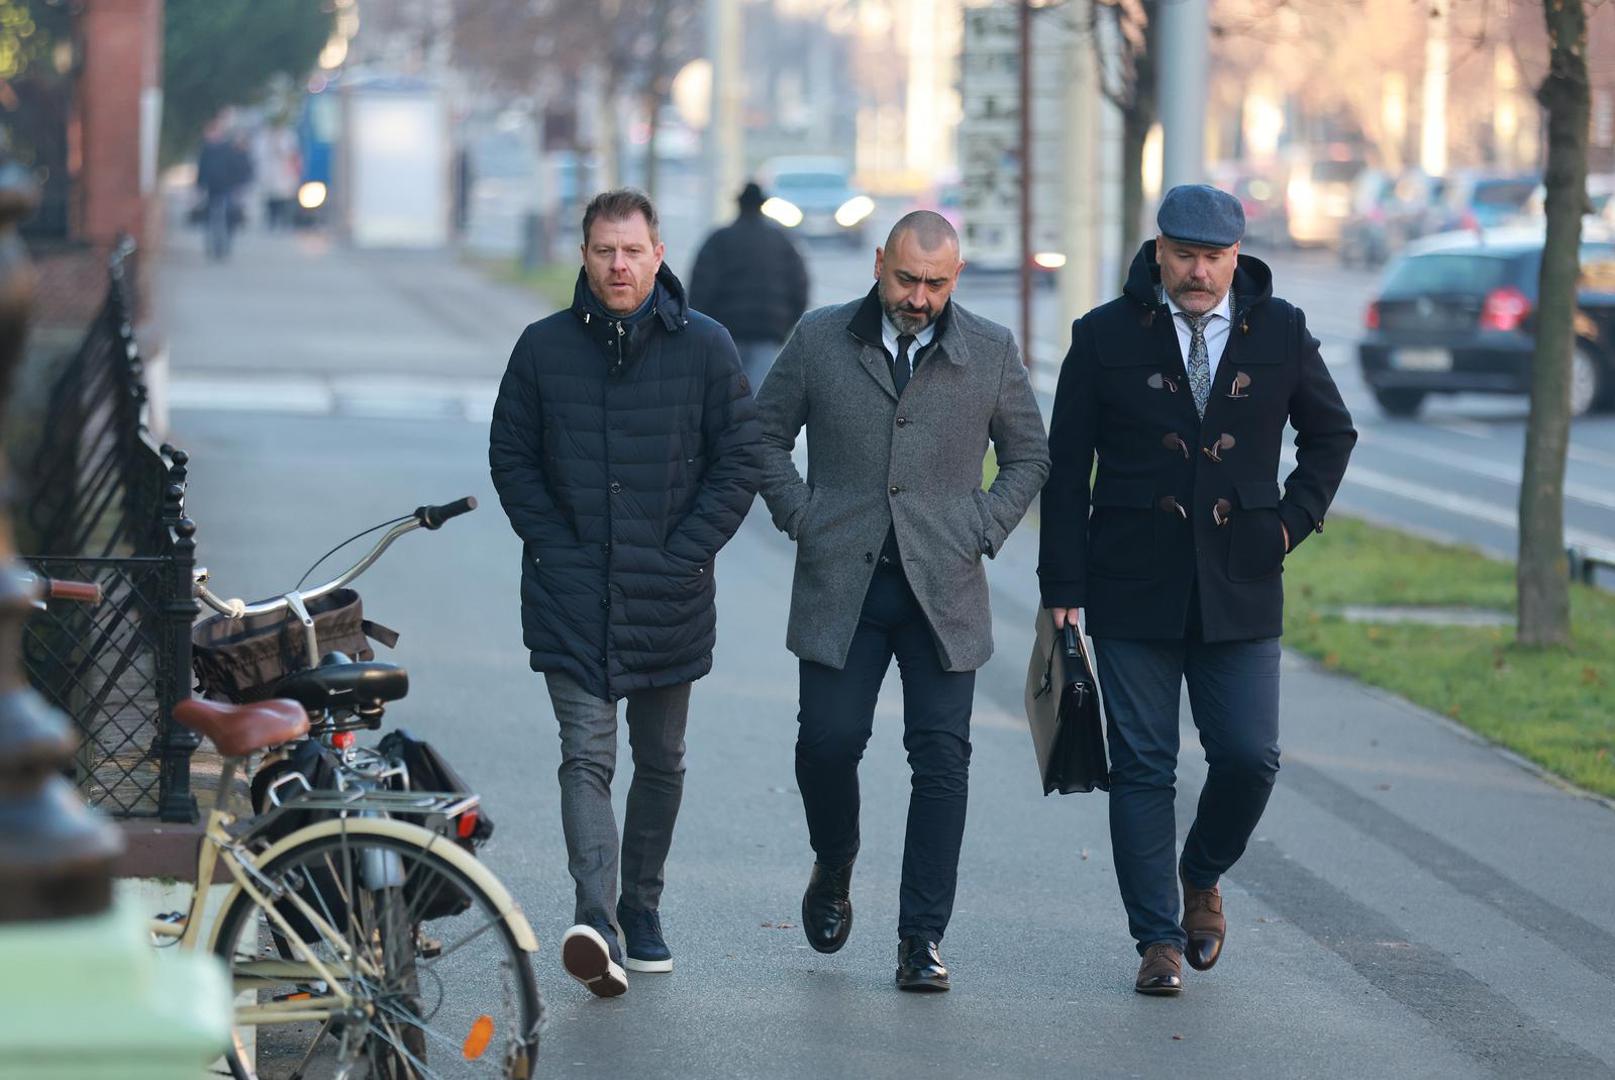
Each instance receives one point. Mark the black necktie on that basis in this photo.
(900, 367)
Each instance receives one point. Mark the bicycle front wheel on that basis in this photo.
(436, 982)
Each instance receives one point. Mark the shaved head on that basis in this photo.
(929, 228)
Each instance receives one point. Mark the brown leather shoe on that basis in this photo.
(1204, 923)
(1161, 971)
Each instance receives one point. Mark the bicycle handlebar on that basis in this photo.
(433, 517)
(79, 592)
(424, 517)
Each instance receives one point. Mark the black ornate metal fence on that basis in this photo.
(106, 504)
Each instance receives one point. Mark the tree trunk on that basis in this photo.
(1542, 580)
(1137, 119)
(656, 87)
(1135, 128)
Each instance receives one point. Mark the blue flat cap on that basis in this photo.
(1201, 214)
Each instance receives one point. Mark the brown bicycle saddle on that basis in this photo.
(239, 730)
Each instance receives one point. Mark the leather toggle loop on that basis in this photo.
(1224, 441)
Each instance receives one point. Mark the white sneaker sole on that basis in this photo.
(587, 958)
(651, 966)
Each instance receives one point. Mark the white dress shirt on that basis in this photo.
(888, 337)
(1222, 320)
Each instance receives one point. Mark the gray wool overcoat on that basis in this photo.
(875, 461)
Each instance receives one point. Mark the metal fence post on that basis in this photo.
(175, 802)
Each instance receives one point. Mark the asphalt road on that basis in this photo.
(1415, 904)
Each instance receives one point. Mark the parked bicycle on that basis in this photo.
(364, 937)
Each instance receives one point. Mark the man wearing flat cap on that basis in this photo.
(1182, 387)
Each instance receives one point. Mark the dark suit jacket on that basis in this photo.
(1131, 548)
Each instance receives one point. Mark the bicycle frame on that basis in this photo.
(245, 870)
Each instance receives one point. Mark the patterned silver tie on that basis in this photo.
(1199, 366)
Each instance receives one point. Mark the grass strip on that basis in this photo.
(1555, 707)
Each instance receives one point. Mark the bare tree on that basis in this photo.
(1541, 579)
(1124, 36)
(528, 47)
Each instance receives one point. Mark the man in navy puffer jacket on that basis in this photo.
(625, 451)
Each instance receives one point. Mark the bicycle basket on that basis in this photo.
(239, 660)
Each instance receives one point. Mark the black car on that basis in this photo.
(1457, 314)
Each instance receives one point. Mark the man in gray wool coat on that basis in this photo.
(900, 392)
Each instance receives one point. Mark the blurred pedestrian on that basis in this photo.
(1182, 387)
(901, 392)
(279, 170)
(750, 277)
(624, 447)
(222, 170)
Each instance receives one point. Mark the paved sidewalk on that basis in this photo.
(1416, 903)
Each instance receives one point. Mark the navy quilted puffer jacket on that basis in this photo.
(626, 454)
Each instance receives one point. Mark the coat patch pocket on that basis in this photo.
(1256, 536)
(1122, 528)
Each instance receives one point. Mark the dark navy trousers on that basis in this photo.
(1234, 699)
(836, 719)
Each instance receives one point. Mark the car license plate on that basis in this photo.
(1422, 359)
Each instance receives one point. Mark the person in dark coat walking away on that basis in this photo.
(624, 447)
(750, 277)
(1182, 388)
(900, 391)
(223, 169)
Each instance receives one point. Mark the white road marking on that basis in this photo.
(1604, 499)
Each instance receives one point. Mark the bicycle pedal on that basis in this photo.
(428, 948)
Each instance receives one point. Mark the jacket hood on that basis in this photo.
(1253, 282)
(669, 302)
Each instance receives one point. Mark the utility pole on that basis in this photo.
(1026, 180)
(1080, 135)
(725, 160)
(1433, 125)
(1183, 79)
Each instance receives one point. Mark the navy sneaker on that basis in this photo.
(591, 956)
(643, 932)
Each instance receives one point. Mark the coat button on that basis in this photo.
(895, 489)
(616, 488)
(604, 603)
(901, 420)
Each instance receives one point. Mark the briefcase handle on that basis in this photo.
(1072, 638)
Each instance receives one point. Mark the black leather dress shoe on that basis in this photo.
(919, 966)
(827, 908)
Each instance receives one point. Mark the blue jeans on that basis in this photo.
(1234, 699)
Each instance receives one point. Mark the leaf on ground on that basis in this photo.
(1331, 660)
(1589, 676)
(1455, 710)
(1084, 854)
(1177, 1038)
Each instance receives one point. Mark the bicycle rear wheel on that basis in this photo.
(446, 992)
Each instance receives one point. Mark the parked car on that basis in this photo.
(1318, 195)
(1387, 214)
(1262, 198)
(1457, 314)
(814, 197)
(1480, 200)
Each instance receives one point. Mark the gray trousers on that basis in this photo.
(588, 761)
